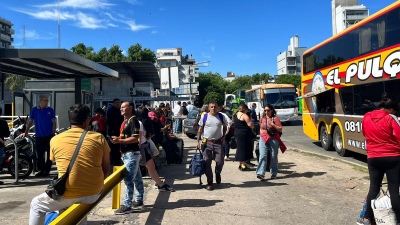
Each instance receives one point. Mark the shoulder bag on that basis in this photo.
(56, 188)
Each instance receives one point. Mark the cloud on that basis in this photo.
(212, 48)
(86, 21)
(84, 18)
(243, 56)
(133, 2)
(48, 14)
(79, 4)
(154, 32)
(131, 23)
(206, 55)
(34, 35)
(161, 9)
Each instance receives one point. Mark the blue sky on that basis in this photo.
(244, 37)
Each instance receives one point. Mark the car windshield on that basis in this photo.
(192, 114)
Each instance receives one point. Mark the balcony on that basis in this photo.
(10, 31)
(5, 38)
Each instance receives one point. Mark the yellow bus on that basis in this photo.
(345, 76)
(281, 96)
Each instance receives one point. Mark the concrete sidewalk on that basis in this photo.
(309, 190)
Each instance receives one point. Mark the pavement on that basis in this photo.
(310, 189)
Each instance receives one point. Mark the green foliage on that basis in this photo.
(289, 79)
(211, 87)
(115, 53)
(15, 81)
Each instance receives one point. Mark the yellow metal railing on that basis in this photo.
(75, 213)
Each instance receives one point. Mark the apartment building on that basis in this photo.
(180, 77)
(345, 13)
(289, 61)
(6, 33)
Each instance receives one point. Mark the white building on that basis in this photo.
(186, 66)
(345, 13)
(289, 61)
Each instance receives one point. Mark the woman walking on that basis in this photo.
(381, 130)
(270, 126)
(243, 126)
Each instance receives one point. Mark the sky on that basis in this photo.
(243, 37)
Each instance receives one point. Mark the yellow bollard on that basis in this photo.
(116, 194)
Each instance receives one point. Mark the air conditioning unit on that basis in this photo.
(132, 91)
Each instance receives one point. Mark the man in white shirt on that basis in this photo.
(177, 112)
(189, 106)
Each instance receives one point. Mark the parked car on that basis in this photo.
(189, 122)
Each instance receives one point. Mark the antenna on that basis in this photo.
(59, 27)
(23, 37)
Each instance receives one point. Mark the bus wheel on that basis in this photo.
(338, 142)
(326, 139)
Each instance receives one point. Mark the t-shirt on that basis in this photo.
(130, 128)
(101, 123)
(213, 126)
(86, 177)
(43, 119)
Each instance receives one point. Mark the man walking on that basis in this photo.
(45, 127)
(178, 111)
(129, 140)
(86, 179)
(189, 106)
(4, 132)
(214, 126)
(114, 120)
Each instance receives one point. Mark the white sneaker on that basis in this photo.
(227, 158)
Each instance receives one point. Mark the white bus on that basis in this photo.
(281, 96)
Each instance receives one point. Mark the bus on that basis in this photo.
(232, 101)
(345, 76)
(281, 96)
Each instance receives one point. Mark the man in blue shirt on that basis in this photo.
(45, 127)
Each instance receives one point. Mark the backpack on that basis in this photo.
(197, 166)
(221, 117)
(185, 112)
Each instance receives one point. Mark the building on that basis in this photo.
(230, 76)
(181, 71)
(6, 33)
(289, 61)
(346, 13)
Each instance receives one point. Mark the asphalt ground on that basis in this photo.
(310, 189)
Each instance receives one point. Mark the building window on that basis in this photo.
(168, 54)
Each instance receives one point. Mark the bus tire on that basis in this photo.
(338, 142)
(325, 138)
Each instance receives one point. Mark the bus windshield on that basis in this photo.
(280, 98)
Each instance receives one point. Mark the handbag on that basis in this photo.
(56, 188)
(233, 143)
(382, 208)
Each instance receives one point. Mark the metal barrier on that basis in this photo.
(75, 213)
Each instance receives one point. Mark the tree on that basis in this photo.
(136, 53)
(289, 79)
(211, 87)
(14, 82)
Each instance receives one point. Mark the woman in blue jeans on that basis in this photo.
(270, 126)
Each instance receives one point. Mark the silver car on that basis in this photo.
(189, 122)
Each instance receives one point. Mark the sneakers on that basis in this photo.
(209, 187)
(273, 177)
(218, 178)
(165, 187)
(261, 177)
(362, 221)
(250, 164)
(243, 168)
(123, 210)
(138, 204)
(227, 158)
